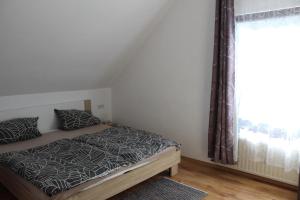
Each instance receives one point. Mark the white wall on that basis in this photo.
(32, 104)
(55, 45)
(166, 88)
(255, 6)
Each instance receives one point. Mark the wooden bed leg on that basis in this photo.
(174, 170)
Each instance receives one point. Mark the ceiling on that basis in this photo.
(58, 45)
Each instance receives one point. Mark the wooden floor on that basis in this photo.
(220, 185)
(224, 185)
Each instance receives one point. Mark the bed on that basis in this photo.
(97, 188)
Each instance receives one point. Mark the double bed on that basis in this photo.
(162, 155)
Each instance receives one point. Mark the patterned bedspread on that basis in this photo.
(66, 163)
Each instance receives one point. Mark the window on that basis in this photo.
(268, 84)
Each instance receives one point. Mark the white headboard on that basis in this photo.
(47, 120)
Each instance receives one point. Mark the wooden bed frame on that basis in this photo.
(116, 185)
(20, 188)
(169, 160)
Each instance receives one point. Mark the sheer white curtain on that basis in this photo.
(268, 86)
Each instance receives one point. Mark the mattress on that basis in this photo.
(58, 136)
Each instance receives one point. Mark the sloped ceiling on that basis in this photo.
(57, 45)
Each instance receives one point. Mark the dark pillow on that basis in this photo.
(75, 119)
(19, 129)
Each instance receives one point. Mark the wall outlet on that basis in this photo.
(100, 107)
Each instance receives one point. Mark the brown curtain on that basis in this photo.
(221, 121)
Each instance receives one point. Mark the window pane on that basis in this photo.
(268, 75)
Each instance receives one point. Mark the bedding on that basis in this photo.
(49, 137)
(67, 163)
(18, 129)
(75, 119)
